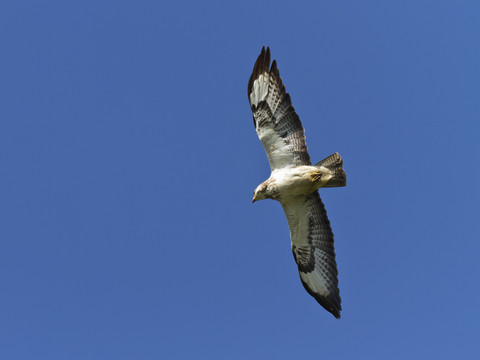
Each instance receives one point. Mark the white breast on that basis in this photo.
(295, 181)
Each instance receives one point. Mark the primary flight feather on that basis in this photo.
(294, 182)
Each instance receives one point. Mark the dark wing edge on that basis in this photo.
(314, 252)
(276, 122)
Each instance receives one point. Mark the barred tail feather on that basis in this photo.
(334, 163)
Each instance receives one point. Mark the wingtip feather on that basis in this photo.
(329, 304)
(261, 66)
(274, 68)
(267, 60)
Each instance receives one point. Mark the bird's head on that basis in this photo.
(260, 192)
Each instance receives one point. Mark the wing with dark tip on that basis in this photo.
(276, 122)
(313, 250)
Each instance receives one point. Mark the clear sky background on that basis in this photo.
(128, 161)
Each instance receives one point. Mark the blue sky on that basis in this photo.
(128, 162)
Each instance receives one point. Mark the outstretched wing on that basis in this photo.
(278, 125)
(313, 250)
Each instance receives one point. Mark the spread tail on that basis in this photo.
(337, 176)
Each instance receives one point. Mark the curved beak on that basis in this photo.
(254, 199)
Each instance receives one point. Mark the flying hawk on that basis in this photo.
(294, 182)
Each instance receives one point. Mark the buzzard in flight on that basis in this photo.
(294, 182)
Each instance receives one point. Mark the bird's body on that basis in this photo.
(294, 182)
(297, 181)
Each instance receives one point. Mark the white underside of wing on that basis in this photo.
(260, 89)
(279, 154)
(315, 282)
(297, 218)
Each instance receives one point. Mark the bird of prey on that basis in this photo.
(294, 182)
